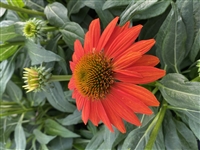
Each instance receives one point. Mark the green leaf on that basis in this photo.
(96, 141)
(195, 47)
(187, 138)
(60, 143)
(71, 119)
(186, 12)
(137, 138)
(74, 6)
(41, 137)
(177, 134)
(152, 26)
(39, 55)
(7, 31)
(56, 13)
(7, 51)
(170, 41)
(104, 15)
(194, 126)
(72, 31)
(6, 70)
(53, 128)
(115, 3)
(19, 135)
(178, 91)
(14, 92)
(143, 10)
(56, 98)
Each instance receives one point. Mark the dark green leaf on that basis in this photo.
(195, 49)
(20, 139)
(194, 126)
(60, 143)
(186, 12)
(71, 119)
(115, 3)
(56, 14)
(104, 15)
(96, 141)
(186, 136)
(170, 41)
(14, 92)
(177, 134)
(8, 51)
(178, 91)
(74, 6)
(6, 71)
(143, 10)
(71, 32)
(53, 128)
(39, 55)
(41, 137)
(56, 98)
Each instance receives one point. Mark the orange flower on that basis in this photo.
(106, 71)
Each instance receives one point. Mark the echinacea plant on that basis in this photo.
(99, 75)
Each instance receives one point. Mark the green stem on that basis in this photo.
(47, 29)
(154, 133)
(60, 78)
(22, 10)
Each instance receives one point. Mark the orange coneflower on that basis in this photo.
(106, 71)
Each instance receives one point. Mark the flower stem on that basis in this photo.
(22, 10)
(60, 78)
(49, 28)
(154, 133)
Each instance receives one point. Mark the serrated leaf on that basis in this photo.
(41, 137)
(170, 41)
(56, 98)
(72, 31)
(6, 70)
(14, 92)
(143, 10)
(39, 55)
(115, 3)
(71, 119)
(56, 13)
(8, 51)
(178, 91)
(53, 128)
(19, 135)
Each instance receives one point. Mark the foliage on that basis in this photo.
(50, 120)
